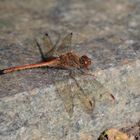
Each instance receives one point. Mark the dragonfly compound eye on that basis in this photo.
(85, 61)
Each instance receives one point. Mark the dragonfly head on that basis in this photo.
(85, 61)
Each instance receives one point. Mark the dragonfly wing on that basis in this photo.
(47, 45)
(40, 50)
(65, 94)
(65, 45)
(87, 95)
(102, 92)
(88, 103)
(89, 90)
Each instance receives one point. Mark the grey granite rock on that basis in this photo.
(31, 107)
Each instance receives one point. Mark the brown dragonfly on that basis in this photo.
(65, 59)
(62, 57)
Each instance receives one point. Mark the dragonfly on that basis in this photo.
(55, 57)
(61, 56)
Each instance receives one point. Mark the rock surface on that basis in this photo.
(107, 31)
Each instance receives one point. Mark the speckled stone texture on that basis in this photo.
(105, 30)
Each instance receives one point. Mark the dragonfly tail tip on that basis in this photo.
(2, 72)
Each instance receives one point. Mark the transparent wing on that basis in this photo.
(65, 45)
(47, 45)
(48, 50)
(87, 102)
(89, 90)
(65, 94)
(40, 50)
